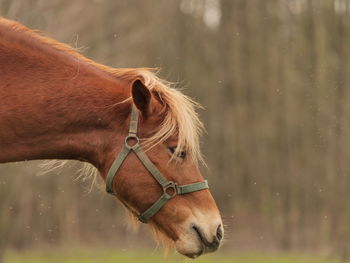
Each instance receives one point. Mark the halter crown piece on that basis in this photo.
(170, 188)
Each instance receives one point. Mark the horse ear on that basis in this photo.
(141, 96)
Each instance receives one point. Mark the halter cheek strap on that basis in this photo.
(170, 188)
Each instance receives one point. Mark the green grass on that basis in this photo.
(108, 256)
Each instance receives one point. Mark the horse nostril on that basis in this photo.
(209, 246)
(219, 232)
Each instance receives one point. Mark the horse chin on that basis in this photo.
(191, 248)
(187, 246)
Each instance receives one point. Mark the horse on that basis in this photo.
(140, 133)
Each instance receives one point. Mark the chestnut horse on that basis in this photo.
(57, 104)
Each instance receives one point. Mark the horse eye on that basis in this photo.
(181, 154)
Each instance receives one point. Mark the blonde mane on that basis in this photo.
(180, 119)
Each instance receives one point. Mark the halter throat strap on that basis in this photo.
(170, 188)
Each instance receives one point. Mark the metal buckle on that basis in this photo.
(130, 138)
(172, 187)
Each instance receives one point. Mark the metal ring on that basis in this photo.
(170, 185)
(132, 137)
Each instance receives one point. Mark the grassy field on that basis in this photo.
(108, 256)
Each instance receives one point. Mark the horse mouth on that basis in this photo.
(205, 245)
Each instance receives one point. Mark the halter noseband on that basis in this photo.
(170, 188)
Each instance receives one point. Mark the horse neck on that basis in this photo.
(57, 108)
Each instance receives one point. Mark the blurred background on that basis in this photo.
(273, 77)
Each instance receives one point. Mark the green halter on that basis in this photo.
(170, 188)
